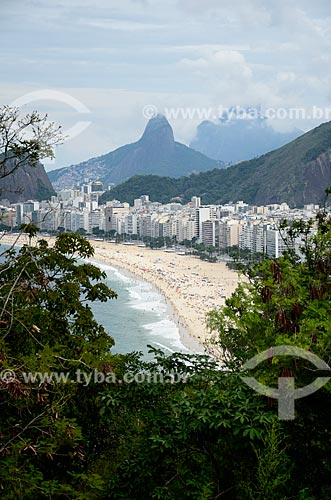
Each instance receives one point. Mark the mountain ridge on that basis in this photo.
(237, 139)
(156, 152)
(26, 183)
(297, 173)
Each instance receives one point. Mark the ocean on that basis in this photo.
(139, 316)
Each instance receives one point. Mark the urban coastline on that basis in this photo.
(190, 286)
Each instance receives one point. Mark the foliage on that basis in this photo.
(24, 141)
(287, 302)
(186, 438)
(284, 301)
(27, 138)
(43, 193)
(273, 468)
(180, 426)
(135, 187)
(47, 326)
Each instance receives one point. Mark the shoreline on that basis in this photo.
(188, 341)
(190, 286)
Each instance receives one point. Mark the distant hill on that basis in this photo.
(26, 183)
(297, 173)
(156, 152)
(238, 139)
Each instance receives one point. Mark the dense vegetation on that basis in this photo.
(178, 427)
(284, 175)
(43, 192)
(160, 189)
(49, 429)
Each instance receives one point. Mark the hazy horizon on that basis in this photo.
(96, 69)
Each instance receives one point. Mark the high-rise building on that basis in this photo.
(113, 214)
(202, 214)
(196, 201)
(208, 233)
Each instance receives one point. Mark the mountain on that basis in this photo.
(297, 174)
(238, 139)
(26, 183)
(156, 152)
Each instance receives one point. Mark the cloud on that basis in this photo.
(117, 57)
(121, 25)
(225, 64)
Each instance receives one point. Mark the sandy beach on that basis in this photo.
(192, 286)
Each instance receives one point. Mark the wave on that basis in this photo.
(114, 270)
(144, 302)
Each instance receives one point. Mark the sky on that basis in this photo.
(101, 69)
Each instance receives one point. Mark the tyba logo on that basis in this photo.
(286, 392)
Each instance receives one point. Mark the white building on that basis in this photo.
(114, 214)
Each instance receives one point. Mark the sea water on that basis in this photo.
(139, 316)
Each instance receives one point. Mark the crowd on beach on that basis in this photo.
(193, 287)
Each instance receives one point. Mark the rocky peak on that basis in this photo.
(158, 132)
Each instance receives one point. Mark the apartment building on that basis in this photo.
(114, 214)
(208, 233)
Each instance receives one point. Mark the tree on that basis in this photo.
(283, 301)
(287, 301)
(25, 139)
(181, 427)
(97, 231)
(187, 436)
(111, 233)
(47, 327)
(48, 427)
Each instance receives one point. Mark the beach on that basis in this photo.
(191, 286)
